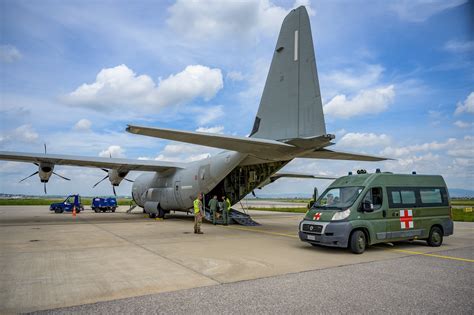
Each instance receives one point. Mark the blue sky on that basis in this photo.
(397, 79)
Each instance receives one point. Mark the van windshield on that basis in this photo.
(338, 198)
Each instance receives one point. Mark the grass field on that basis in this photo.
(463, 202)
(47, 202)
(294, 210)
(458, 213)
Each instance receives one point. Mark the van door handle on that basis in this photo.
(384, 213)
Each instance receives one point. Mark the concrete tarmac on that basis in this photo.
(52, 261)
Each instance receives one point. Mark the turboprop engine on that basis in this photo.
(115, 177)
(45, 171)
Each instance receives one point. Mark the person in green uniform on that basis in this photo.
(225, 209)
(198, 214)
(213, 206)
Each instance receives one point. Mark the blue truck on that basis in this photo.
(104, 204)
(67, 205)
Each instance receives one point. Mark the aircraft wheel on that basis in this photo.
(152, 215)
(113, 209)
(161, 213)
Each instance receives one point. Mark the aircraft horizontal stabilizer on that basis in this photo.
(335, 155)
(88, 161)
(259, 147)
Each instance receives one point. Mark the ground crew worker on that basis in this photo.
(198, 214)
(213, 206)
(225, 210)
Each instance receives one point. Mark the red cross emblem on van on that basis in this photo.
(317, 216)
(406, 219)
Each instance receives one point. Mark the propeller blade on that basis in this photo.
(105, 170)
(100, 181)
(45, 189)
(29, 176)
(45, 148)
(36, 164)
(129, 180)
(253, 193)
(61, 176)
(113, 187)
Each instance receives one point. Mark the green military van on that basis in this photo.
(365, 209)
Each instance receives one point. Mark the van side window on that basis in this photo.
(399, 197)
(375, 197)
(431, 196)
(402, 197)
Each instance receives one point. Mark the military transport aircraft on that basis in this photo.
(289, 124)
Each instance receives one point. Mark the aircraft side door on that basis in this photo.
(177, 193)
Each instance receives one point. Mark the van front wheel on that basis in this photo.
(358, 242)
(436, 237)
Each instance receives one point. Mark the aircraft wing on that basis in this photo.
(86, 161)
(335, 155)
(259, 147)
(278, 175)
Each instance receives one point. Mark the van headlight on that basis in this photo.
(341, 215)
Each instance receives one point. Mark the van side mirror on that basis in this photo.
(367, 206)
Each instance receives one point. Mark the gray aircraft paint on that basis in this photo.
(289, 124)
(291, 104)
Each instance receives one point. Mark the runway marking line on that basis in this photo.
(393, 250)
(262, 231)
(430, 255)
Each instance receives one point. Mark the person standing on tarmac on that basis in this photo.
(225, 209)
(213, 206)
(198, 214)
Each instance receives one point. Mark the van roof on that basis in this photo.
(389, 179)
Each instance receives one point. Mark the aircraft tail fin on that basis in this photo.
(291, 104)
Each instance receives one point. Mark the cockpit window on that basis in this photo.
(338, 198)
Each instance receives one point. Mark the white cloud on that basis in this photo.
(466, 106)
(462, 124)
(23, 134)
(217, 19)
(114, 151)
(429, 146)
(215, 129)
(372, 101)
(356, 140)
(9, 53)
(459, 46)
(120, 87)
(210, 114)
(353, 78)
(184, 152)
(235, 76)
(83, 125)
(421, 10)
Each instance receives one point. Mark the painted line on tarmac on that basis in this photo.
(431, 255)
(262, 231)
(393, 250)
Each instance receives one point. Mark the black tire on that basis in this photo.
(314, 245)
(152, 215)
(113, 209)
(357, 242)
(436, 237)
(161, 213)
(57, 211)
(96, 210)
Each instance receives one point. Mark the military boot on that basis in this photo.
(199, 231)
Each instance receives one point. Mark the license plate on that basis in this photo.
(311, 237)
